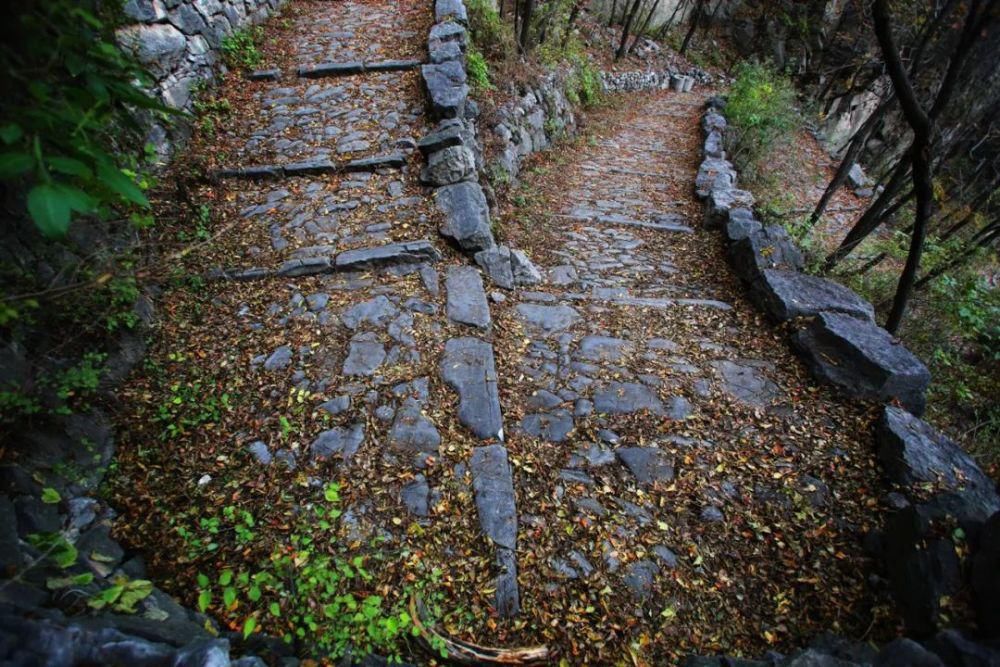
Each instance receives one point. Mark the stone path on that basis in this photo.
(627, 438)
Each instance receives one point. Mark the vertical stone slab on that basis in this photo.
(469, 368)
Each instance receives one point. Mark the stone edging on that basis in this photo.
(939, 488)
(636, 80)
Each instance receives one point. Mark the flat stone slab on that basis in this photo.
(469, 368)
(390, 161)
(466, 216)
(310, 168)
(264, 75)
(552, 427)
(253, 173)
(647, 464)
(377, 311)
(863, 360)
(448, 133)
(339, 441)
(746, 384)
(603, 348)
(769, 248)
(508, 598)
(466, 297)
(365, 354)
(912, 452)
(785, 295)
(409, 252)
(494, 489)
(412, 430)
(548, 318)
(627, 397)
(331, 69)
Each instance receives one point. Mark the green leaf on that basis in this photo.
(204, 599)
(10, 133)
(275, 609)
(69, 166)
(332, 493)
(50, 209)
(229, 596)
(253, 593)
(203, 581)
(15, 164)
(226, 578)
(248, 626)
(65, 555)
(77, 199)
(50, 496)
(117, 181)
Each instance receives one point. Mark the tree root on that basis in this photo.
(464, 653)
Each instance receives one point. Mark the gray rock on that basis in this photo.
(449, 165)
(497, 264)
(412, 430)
(863, 360)
(904, 652)
(449, 133)
(450, 9)
(647, 464)
(373, 164)
(446, 87)
(279, 359)
(856, 177)
(416, 496)
(603, 348)
(365, 354)
(711, 514)
(331, 69)
(392, 254)
(562, 275)
(665, 556)
(713, 174)
(721, 200)
(913, 454)
(317, 302)
(336, 405)
(954, 648)
(553, 427)
(508, 599)
(548, 318)
(258, 449)
(640, 577)
(746, 384)
(467, 217)
(339, 441)
(160, 47)
(627, 397)
(469, 368)
(769, 248)
(785, 295)
(10, 552)
(466, 297)
(984, 578)
(525, 272)
(494, 491)
(377, 311)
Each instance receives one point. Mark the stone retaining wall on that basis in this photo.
(941, 539)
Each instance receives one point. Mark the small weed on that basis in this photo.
(239, 49)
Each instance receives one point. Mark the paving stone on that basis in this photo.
(337, 405)
(338, 441)
(711, 514)
(412, 430)
(494, 491)
(603, 348)
(365, 354)
(377, 311)
(416, 496)
(469, 368)
(666, 557)
(508, 599)
(466, 297)
(648, 464)
(746, 384)
(279, 359)
(551, 427)
(391, 254)
(259, 451)
(640, 577)
(548, 318)
(331, 69)
(627, 397)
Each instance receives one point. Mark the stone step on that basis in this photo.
(264, 75)
(324, 70)
(616, 219)
(359, 259)
(313, 168)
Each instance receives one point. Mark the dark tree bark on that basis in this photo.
(629, 20)
(670, 21)
(699, 7)
(573, 14)
(644, 26)
(527, 9)
(614, 10)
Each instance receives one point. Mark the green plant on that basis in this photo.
(313, 592)
(123, 292)
(190, 405)
(68, 120)
(239, 48)
(122, 595)
(479, 70)
(489, 32)
(761, 112)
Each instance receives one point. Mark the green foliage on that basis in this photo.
(190, 405)
(59, 393)
(122, 596)
(313, 592)
(67, 120)
(490, 34)
(478, 69)
(239, 48)
(761, 112)
(55, 547)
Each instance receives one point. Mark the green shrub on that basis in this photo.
(239, 49)
(761, 112)
(494, 37)
(68, 129)
(479, 70)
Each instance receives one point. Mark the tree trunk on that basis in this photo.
(573, 13)
(670, 21)
(526, 11)
(629, 20)
(644, 26)
(695, 17)
(614, 10)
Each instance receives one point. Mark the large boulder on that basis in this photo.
(721, 199)
(913, 454)
(863, 360)
(467, 216)
(714, 173)
(447, 88)
(449, 165)
(768, 248)
(985, 578)
(785, 295)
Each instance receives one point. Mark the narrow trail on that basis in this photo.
(671, 480)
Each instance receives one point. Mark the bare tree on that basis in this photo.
(699, 9)
(629, 20)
